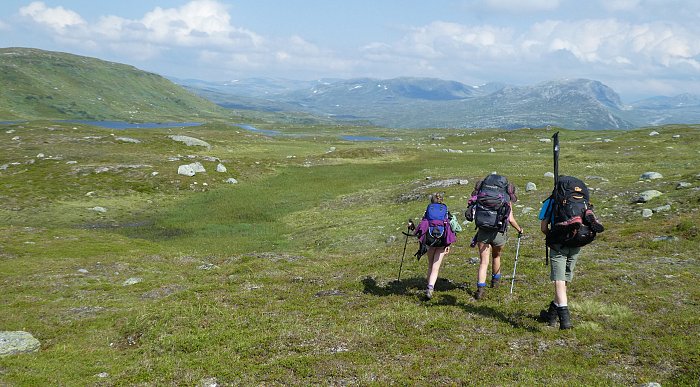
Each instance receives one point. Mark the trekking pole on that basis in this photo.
(515, 266)
(410, 224)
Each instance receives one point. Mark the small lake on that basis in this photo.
(269, 132)
(363, 138)
(133, 125)
(253, 129)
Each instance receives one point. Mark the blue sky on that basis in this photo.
(640, 48)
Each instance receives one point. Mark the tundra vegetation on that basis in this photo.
(130, 274)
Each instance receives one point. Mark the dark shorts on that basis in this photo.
(491, 237)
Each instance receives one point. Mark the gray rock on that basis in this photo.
(491, 150)
(197, 167)
(654, 133)
(647, 195)
(548, 174)
(128, 139)
(17, 342)
(99, 209)
(190, 141)
(683, 184)
(207, 266)
(676, 136)
(651, 176)
(231, 180)
(662, 208)
(665, 238)
(647, 213)
(132, 281)
(545, 140)
(527, 210)
(474, 260)
(185, 170)
(391, 239)
(463, 182)
(530, 186)
(221, 168)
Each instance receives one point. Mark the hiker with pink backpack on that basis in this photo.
(435, 235)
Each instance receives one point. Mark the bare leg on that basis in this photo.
(435, 255)
(484, 252)
(496, 259)
(560, 293)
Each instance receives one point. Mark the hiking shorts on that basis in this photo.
(563, 261)
(491, 237)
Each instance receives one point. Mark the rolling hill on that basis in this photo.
(41, 84)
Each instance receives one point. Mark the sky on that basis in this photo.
(640, 48)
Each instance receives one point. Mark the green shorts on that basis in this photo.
(491, 237)
(563, 261)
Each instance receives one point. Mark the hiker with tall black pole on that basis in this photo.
(490, 207)
(435, 236)
(568, 223)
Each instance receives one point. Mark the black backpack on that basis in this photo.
(489, 206)
(571, 214)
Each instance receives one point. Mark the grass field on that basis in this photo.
(288, 276)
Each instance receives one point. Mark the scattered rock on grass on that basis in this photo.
(647, 195)
(651, 176)
(647, 213)
(332, 292)
(132, 281)
(683, 184)
(99, 209)
(185, 170)
(17, 342)
(530, 186)
(548, 174)
(664, 208)
(231, 180)
(654, 133)
(190, 141)
(220, 168)
(128, 139)
(665, 238)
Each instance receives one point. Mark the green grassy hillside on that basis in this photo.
(130, 274)
(40, 84)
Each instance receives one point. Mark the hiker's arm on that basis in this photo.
(513, 222)
(544, 226)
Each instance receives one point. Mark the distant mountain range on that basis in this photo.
(39, 84)
(436, 103)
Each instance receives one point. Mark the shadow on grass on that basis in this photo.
(516, 320)
(405, 286)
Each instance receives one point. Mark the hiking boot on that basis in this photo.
(593, 222)
(549, 316)
(564, 318)
(495, 282)
(479, 292)
(428, 294)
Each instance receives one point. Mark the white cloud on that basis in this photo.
(58, 18)
(4, 26)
